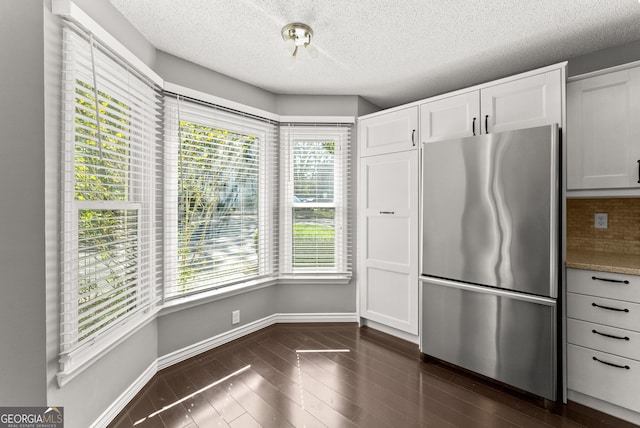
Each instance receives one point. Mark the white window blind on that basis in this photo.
(221, 218)
(315, 195)
(111, 177)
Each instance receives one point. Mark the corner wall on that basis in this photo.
(22, 222)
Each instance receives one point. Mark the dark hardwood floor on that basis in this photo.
(358, 377)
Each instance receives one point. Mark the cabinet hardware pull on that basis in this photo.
(638, 170)
(387, 212)
(611, 364)
(473, 127)
(413, 137)
(595, 278)
(486, 124)
(610, 308)
(610, 335)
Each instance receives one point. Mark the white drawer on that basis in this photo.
(609, 312)
(624, 343)
(618, 385)
(583, 282)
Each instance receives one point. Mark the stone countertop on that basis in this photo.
(603, 262)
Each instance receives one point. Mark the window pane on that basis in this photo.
(313, 237)
(107, 267)
(101, 170)
(313, 171)
(217, 206)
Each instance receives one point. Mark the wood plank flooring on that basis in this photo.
(348, 377)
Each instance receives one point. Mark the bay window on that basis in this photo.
(315, 237)
(221, 219)
(109, 161)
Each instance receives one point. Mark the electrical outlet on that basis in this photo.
(601, 221)
(235, 317)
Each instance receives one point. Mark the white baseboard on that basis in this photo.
(192, 350)
(413, 338)
(213, 342)
(605, 407)
(121, 402)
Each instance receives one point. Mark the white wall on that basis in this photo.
(604, 58)
(22, 232)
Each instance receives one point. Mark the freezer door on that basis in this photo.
(503, 335)
(489, 210)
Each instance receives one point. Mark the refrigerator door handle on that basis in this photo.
(490, 290)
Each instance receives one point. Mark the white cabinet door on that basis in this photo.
(388, 268)
(453, 117)
(603, 136)
(604, 376)
(522, 103)
(390, 132)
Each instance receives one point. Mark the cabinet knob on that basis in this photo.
(413, 137)
(473, 126)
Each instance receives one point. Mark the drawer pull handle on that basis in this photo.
(610, 335)
(387, 212)
(611, 364)
(595, 278)
(610, 308)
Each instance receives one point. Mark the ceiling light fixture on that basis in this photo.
(299, 33)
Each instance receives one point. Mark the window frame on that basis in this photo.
(182, 109)
(142, 140)
(340, 135)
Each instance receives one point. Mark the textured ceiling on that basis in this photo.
(388, 52)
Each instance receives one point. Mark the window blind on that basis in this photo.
(112, 169)
(221, 221)
(315, 202)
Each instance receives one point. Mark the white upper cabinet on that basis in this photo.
(529, 101)
(603, 136)
(523, 103)
(453, 117)
(390, 132)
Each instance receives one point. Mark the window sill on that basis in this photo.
(176, 304)
(85, 357)
(314, 279)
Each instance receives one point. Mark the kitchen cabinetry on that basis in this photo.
(388, 179)
(388, 219)
(525, 102)
(603, 139)
(391, 132)
(603, 335)
(452, 117)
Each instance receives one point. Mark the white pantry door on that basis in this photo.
(389, 240)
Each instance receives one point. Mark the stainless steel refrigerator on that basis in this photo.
(490, 248)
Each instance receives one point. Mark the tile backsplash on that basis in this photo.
(622, 235)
